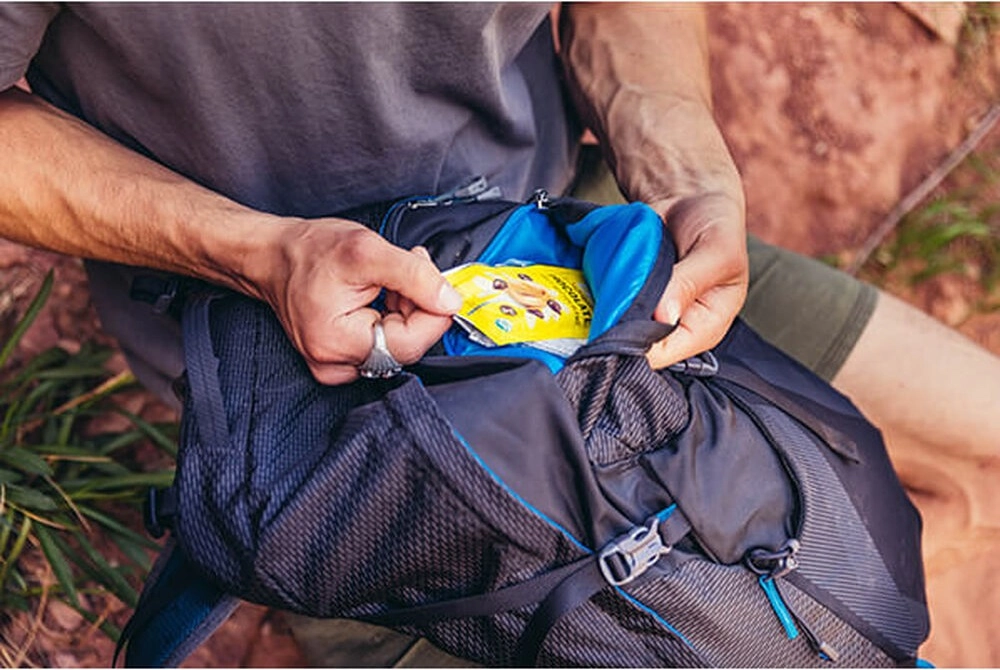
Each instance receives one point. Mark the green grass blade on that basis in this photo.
(31, 499)
(116, 526)
(102, 572)
(6, 527)
(25, 461)
(137, 554)
(137, 479)
(106, 627)
(50, 358)
(15, 552)
(10, 476)
(155, 433)
(29, 317)
(57, 560)
(72, 373)
(109, 443)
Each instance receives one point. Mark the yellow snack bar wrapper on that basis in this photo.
(545, 306)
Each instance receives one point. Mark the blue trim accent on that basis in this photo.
(663, 514)
(666, 513)
(653, 613)
(923, 663)
(531, 508)
(457, 343)
(779, 606)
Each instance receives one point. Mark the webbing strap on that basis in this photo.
(484, 604)
(558, 591)
(178, 608)
(572, 592)
(814, 416)
(177, 611)
(203, 370)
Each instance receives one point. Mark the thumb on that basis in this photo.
(414, 276)
(700, 306)
(685, 285)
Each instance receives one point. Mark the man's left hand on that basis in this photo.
(709, 281)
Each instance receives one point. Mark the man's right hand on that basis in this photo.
(66, 187)
(324, 275)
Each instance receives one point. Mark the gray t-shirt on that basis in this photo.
(301, 109)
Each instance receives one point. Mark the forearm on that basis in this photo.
(639, 77)
(68, 188)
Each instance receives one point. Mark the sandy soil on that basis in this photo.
(832, 112)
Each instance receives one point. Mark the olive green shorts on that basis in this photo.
(809, 310)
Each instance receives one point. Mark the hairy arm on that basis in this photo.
(66, 187)
(639, 76)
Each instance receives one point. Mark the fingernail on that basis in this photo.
(673, 313)
(449, 299)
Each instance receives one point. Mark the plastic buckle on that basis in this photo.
(632, 554)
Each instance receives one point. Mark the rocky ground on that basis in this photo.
(833, 113)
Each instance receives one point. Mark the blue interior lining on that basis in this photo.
(616, 246)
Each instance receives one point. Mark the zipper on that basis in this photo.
(476, 190)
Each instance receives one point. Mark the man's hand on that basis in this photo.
(709, 282)
(65, 186)
(325, 276)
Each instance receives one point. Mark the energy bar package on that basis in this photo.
(543, 306)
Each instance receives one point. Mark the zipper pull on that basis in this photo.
(704, 364)
(541, 199)
(474, 188)
(769, 566)
(778, 605)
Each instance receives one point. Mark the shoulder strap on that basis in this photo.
(178, 608)
(177, 611)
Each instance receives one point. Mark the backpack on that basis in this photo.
(518, 508)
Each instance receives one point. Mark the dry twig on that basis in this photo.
(917, 195)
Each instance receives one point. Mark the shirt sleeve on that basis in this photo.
(22, 28)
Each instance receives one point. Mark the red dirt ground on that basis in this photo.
(833, 113)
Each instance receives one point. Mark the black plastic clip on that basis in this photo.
(774, 564)
(159, 511)
(703, 365)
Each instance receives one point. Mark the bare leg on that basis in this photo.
(936, 397)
